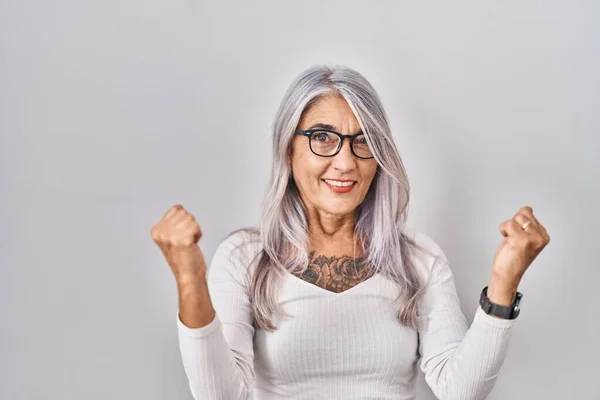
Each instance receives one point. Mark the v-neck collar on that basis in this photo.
(354, 288)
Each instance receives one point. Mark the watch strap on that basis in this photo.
(497, 310)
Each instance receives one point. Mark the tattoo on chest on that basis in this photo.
(335, 274)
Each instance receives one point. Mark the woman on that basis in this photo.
(332, 296)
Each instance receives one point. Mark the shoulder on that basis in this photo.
(237, 251)
(426, 252)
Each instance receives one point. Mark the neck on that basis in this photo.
(330, 230)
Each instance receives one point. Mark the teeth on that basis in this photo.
(339, 184)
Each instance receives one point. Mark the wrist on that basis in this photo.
(190, 282)
(195, 306)
(501, 291)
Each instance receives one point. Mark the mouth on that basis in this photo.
(339, 186)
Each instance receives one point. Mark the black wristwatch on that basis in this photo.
(506, 312)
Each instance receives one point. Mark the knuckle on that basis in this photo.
(182, 240)
(176, 242)
(188, 241)
(530, 243)
(159, 239)
(157, 234)
(543, 240)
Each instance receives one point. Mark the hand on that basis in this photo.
(177, 235)
(519, 247)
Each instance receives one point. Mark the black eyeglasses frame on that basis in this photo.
(309, 132)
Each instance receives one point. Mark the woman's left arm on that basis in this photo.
(461, 362)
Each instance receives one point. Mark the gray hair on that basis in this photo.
(283, 230)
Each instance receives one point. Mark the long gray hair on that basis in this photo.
(283, 230)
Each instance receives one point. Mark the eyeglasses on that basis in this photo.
(326, 143)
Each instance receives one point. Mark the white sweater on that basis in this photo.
(346, 345)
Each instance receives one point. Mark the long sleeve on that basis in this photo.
(458, 363)
(219, 358)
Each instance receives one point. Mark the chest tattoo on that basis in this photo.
(335, 274)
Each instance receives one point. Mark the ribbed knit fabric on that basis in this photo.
(345, 345)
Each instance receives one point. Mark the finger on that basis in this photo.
(177, 221)
(534, 231)
(524, 214)
(521, 220)
(511, 228)
(196, 234)
(172, 210)
(184, 221)
(186, 234)
(177, 216)
(535, 226)
(528, 211)
(541, 228)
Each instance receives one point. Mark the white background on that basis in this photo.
(112, 111)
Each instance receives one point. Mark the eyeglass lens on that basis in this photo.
(326, 144)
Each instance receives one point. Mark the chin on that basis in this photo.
(339, 209)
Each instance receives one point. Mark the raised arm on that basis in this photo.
(458, 362)
(461, 363)
(214, 321)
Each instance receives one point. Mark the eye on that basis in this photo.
(322, 137)
(361, 140)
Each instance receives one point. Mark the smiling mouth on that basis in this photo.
(339, 186)
(339, 183)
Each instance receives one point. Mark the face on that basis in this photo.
(314, 174)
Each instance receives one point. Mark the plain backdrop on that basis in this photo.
(113, 111)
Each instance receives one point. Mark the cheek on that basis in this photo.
(369, 172)
(307, 170)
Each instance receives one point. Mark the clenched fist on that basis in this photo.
(177, 235)
(520, 246)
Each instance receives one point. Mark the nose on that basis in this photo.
(344, 160)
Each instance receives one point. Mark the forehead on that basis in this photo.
(332, 110)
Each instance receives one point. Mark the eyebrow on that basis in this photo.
(328, 127)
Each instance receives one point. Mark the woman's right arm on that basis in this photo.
(214, 321)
